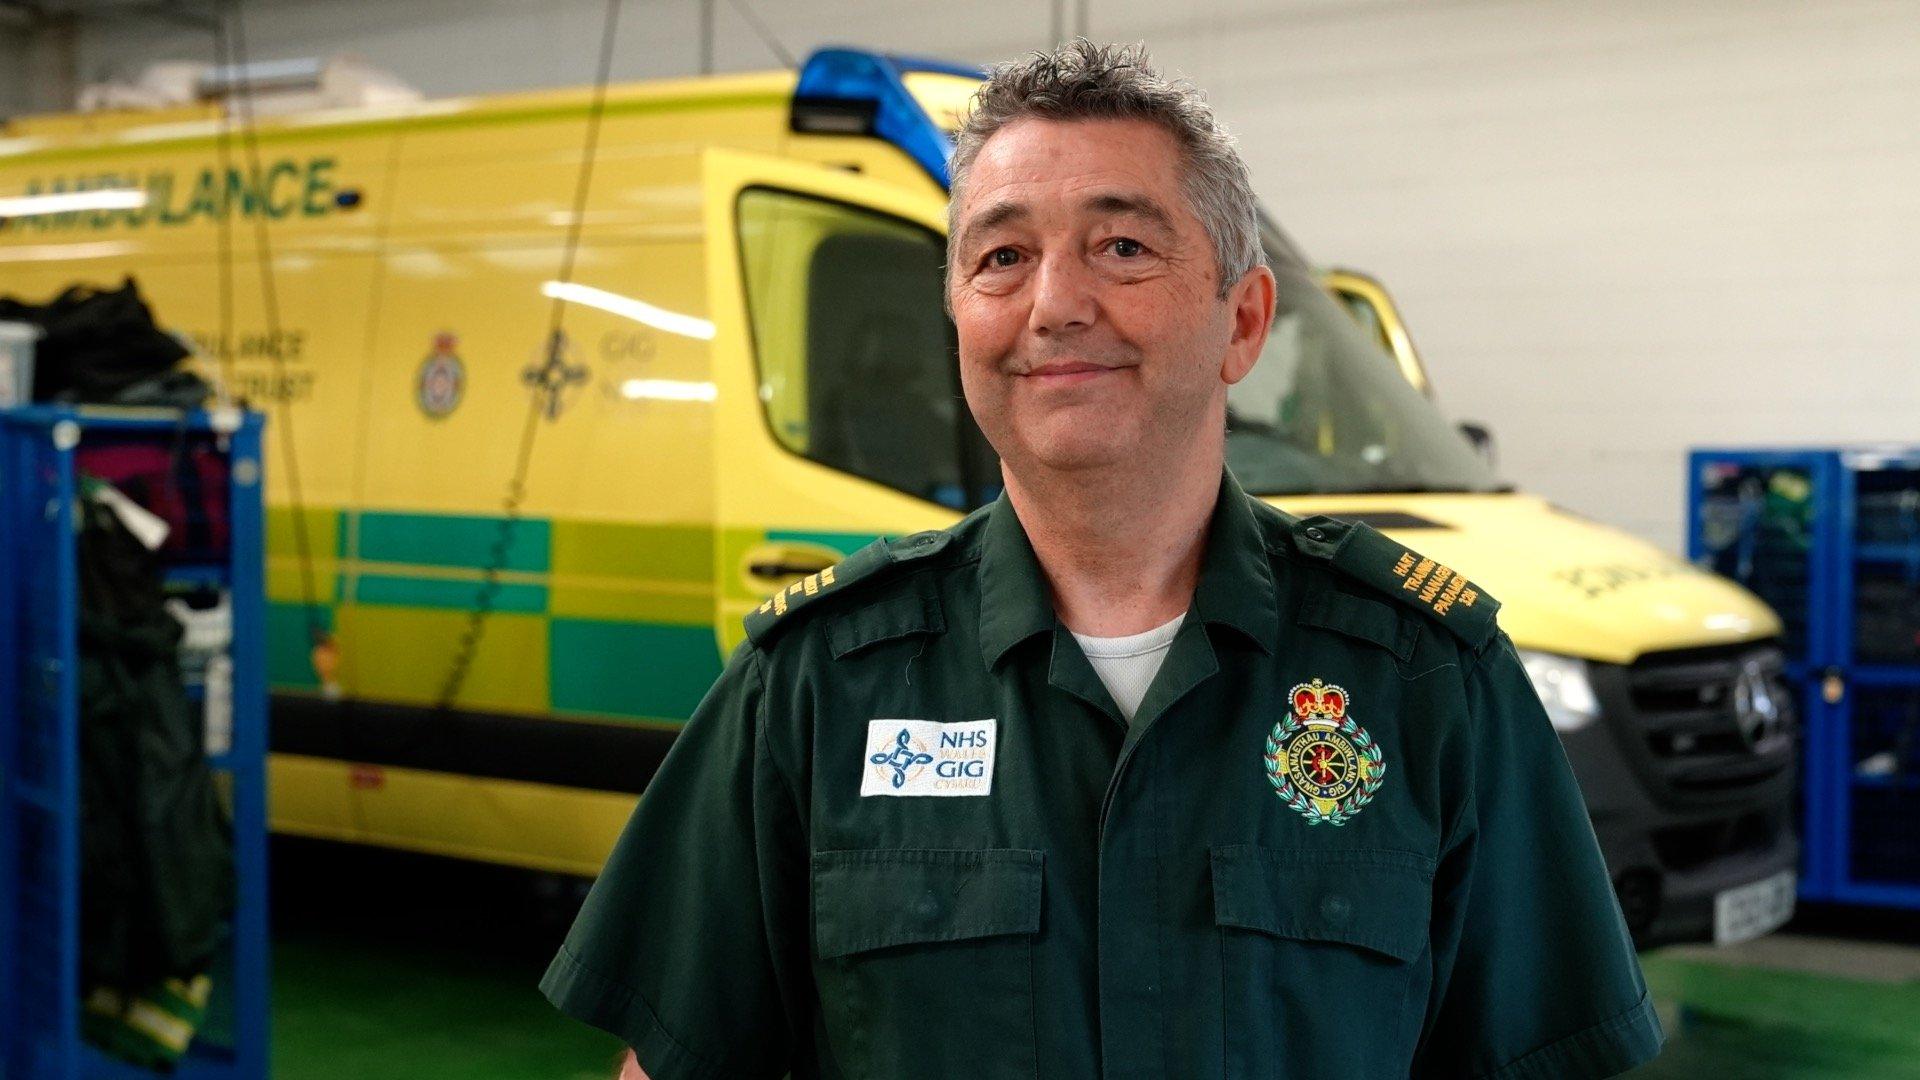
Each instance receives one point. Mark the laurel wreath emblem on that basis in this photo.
(1290, 793)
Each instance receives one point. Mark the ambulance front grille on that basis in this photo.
(1703, 729)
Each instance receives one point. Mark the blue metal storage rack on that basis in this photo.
(40, 995)
(1841, 522)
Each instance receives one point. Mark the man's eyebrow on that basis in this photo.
(993, 216)
(1107, 203)
(1136, 205)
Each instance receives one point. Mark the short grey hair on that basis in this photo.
(1080, 80)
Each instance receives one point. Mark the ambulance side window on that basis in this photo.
(858, 368)
(1367, 316)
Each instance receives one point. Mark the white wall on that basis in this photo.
(34, 55)
(14, 97)
(449, 47)
(1618, 230)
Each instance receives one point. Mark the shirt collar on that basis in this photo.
(1235, 587)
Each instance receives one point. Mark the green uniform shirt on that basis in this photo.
(907, 835)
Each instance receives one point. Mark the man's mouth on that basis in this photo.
(1065, 373)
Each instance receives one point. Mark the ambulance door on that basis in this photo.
(839, 412)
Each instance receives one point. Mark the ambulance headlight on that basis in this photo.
(1563, 686)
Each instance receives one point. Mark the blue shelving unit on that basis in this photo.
(40, 992)
(1830, 537)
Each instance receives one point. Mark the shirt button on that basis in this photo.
(1316, 534)
(1335, 908)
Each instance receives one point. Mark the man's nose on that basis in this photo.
(1063, 295)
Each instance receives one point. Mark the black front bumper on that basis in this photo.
(1667, 904)
(1677, 828)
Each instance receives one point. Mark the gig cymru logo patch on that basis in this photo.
(1319, 761)
(925, 757)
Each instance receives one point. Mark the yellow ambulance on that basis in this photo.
(505, 562)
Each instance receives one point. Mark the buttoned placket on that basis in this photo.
(1236, 588)
(1132, 986)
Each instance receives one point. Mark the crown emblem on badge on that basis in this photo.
(1319, 761)
(1320, 705)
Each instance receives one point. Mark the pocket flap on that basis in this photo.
(1358, 617)
(1370, 898)
(913, 607)
(870, 899)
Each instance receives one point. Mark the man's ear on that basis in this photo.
(1250, 307)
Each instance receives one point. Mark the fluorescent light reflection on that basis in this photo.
(628, 308)
(69, 202)
(666, 390)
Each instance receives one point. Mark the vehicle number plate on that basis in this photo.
(1749, 911)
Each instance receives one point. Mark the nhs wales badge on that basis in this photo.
(1319, 761)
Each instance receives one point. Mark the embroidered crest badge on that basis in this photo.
(441, 379)
(1319, 761)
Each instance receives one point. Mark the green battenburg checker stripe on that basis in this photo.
(289, 652)
(630, 669)
(844, 543)
(629, 623)
(682, 553)
(616, 549)
(442, 593)
(325, 539)
(450, 540)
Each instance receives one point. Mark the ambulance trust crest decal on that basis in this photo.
(1319, 761)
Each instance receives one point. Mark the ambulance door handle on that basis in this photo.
(773, 565)
(781, 569)
(776, 563)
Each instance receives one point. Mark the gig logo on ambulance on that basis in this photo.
(926, 757)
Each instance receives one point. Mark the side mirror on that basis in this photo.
(1481, 437)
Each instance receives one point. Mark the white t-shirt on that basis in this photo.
(1128, 664)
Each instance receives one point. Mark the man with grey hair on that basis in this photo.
(1127, 774)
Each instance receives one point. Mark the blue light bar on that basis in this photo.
(853, 92)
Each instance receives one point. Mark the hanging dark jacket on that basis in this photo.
(99, 342)
(156, 841)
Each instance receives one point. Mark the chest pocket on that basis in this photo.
(1320, 951)
(924, 960)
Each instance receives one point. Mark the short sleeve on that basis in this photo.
(683, 947)
(1535, 972)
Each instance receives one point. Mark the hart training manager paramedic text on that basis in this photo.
(1127, 774)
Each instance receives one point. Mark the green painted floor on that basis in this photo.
(1733, 1022)
(391, 966)
(410, 968)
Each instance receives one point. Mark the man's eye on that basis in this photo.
(1127, 247)
(994, 257)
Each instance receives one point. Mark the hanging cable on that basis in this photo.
(765, 35)
(320, 637)
(223, 140)
(554, 363)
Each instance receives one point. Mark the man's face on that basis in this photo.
(1084, 293)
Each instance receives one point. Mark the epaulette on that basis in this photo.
(1365, 553)
(868, 564)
